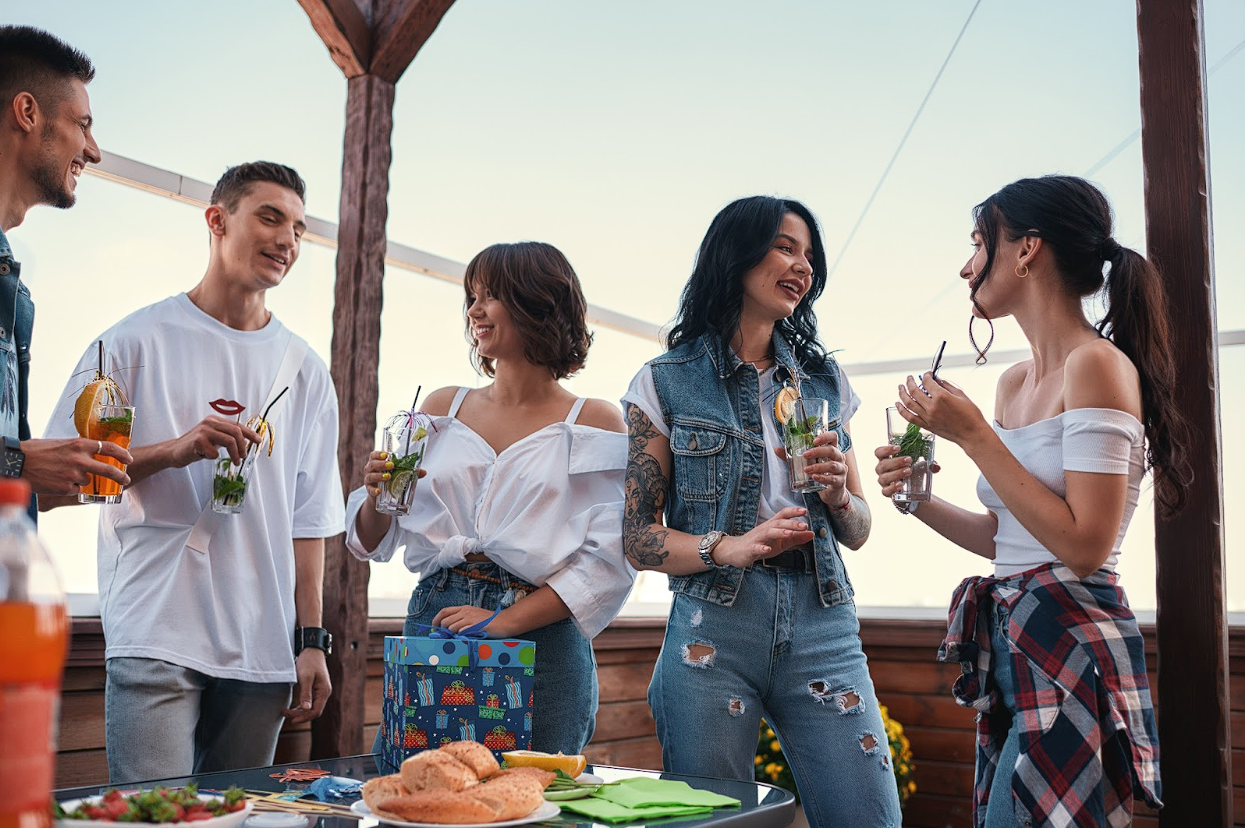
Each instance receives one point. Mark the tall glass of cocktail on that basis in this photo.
(109, 424)
(405, 439)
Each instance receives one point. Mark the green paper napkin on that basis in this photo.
(600, 810)
(643, 792)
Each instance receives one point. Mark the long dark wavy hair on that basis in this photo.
(1075, 220)
(738, 239)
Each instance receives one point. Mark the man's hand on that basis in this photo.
(206, 439)
(59, 467)
(312, 689)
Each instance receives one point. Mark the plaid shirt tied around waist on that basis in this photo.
(1087, 731)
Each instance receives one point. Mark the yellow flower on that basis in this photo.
(912, 786)
(757, 760)
(775, 746)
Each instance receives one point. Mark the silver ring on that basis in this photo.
(99, 445)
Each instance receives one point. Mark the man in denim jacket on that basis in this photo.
(45, 144)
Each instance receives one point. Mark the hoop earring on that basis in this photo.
(1017, 271)
(981, 359)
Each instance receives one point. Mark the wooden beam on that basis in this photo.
(400, 32)
(1192, 636)
(353, 364)
(345, 31)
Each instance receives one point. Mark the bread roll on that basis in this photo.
(383, 787)
(520, 794)
(435, 770)
(473, 754)
(437, 806)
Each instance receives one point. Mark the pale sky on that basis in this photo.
(616, 132)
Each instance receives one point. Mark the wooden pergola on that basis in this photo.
(373, 42)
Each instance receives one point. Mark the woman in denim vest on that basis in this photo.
(762, 622)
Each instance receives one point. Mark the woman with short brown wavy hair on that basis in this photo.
(524, 494)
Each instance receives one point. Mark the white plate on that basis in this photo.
(227, 821)
(547, 810)
(580, 793)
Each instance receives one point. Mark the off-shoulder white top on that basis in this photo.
(548, 508)
(1099, 440)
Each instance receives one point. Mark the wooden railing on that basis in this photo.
(907, 678)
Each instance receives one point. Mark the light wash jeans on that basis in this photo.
(565, 681)
(776, 652)
(1000, 808)
(163, 721)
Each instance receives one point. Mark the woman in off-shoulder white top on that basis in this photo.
(1073, 432)
(522, 500)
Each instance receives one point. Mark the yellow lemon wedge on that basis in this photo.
(784, 401)
(573, 766)
(99, 391)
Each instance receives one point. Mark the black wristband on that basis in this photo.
(317, 637)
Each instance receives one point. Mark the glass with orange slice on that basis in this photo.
(801, 420)
(103, 413)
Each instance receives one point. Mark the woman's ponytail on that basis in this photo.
(1138, 325)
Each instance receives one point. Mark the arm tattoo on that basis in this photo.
(645, 493)
(852, 526)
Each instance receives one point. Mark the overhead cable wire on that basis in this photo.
(888, 169)
(1134, 136)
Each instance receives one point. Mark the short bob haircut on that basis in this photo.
(539, 288)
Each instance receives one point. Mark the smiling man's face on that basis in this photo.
(259, 239)
(66, 146)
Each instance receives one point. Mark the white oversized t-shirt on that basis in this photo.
(229, 612)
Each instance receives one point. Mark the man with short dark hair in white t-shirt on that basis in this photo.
(210, 618)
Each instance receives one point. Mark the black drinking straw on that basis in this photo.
(412, 419)
(101, 344)
(264, 417)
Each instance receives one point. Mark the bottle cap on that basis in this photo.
(14, 491)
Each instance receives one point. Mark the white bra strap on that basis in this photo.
(575, 412)
(457, 401)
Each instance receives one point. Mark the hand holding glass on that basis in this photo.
(108, 424)
(919, 446)
(405, 442)
(807, 421)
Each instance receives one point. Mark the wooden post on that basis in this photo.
(1192, 636)
(356, 343)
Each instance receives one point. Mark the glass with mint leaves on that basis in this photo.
(405, 438)
(806, 419)
(919, 446)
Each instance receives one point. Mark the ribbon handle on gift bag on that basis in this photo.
(472, 633)
(476, 632)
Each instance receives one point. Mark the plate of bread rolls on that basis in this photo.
(457, 784)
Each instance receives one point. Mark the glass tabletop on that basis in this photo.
(761, 805)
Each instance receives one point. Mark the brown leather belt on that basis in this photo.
(801, 559)
(476, 557)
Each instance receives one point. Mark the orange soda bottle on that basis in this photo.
(33, 638)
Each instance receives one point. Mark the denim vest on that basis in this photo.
(709, 399)
(17, 321)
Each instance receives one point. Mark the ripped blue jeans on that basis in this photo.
(776, 653)
(565, 684)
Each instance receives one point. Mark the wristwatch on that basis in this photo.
(317, 637)
(905, 507)
(14, 458)
(706, 545)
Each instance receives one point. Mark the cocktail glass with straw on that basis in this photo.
(404, 441)
(229, 484)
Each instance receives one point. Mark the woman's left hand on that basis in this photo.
(941, 408)
(457, 619)
(826, 464)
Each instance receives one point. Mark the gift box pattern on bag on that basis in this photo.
(439, 690)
